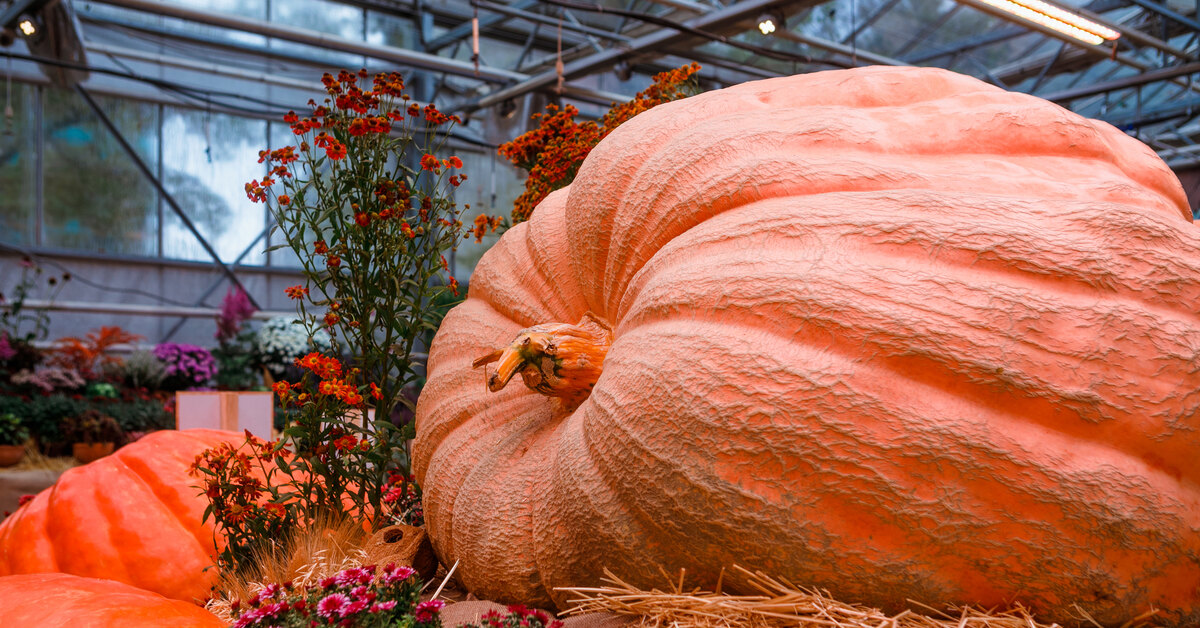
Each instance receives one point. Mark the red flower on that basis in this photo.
(407, 230)
(454, 180)
(284, 199)
(296, 292)
(454, 286)
(414, 110)
(335, 150)
(375, 392)
(319, 247)
(453, 162)
(362, 219)
(331, 319)
(333, 261)
(429, 162)
(291, 117)
(358, 127)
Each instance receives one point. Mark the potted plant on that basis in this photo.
(93, 435)
(12, 439)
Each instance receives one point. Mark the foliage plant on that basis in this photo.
(17, 316)
(553, 152)
(92, 426)
(366, 203)
(12, 431)
(364, 597)
(185, 366)
(143, 370)
(49, 379)
(89, 355)
(282, 340)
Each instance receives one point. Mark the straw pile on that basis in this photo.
(35, 461)
(779, 603)
(330, 545)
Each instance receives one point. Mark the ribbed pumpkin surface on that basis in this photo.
(891, 332)
(133, 517)
(57, 600)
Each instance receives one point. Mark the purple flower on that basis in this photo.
(6, 348)
(188, 362)
(331, 605)
(426, 611)
(235, 310)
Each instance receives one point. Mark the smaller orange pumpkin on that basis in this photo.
(59, 600)
(134, 517)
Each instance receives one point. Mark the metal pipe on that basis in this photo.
(1125, 83)
(139, 309)
(543, 19)
(833, 46)
(314, 38)
(657, 40)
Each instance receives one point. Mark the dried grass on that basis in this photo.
(777, 603)
(35, 461)
(307, 556)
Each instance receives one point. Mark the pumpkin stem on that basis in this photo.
(554, 359)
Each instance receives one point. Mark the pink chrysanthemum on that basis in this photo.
(426, 611)
(331, 605)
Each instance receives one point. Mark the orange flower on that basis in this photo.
(320, 248)
(296, 292)
(453, 162)
(376, 394)
(333, 261)
(335, 150)
(358, 127)
(429, 162)
(331, 319)
(283, 389)
(284, 199)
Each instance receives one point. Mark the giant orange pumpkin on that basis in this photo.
(133, 517)
(891, 332)
(57, 600)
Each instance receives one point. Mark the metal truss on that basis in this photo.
(1145, 83)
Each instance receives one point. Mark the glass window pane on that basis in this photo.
(391, 30)
(492, 185)
(207, 158)
(94, 197)
(18, 168)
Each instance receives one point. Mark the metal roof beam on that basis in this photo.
(655, 41)
(1151, 76)
(834, 47)
(462, 31)
(314, 38)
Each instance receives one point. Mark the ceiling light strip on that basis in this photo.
(1056, 19)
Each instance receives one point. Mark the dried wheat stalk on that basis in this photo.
(779, 603)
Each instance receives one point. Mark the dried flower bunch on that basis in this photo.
(553, 152)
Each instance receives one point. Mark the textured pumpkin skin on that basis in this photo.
(133, 517)
(57, 600)
(891, 332)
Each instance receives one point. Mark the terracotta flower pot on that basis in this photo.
(11, 454)
(88, 452)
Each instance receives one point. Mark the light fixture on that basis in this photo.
(623, 70)
(27, 26)
(769, 22)
(1057, 19)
